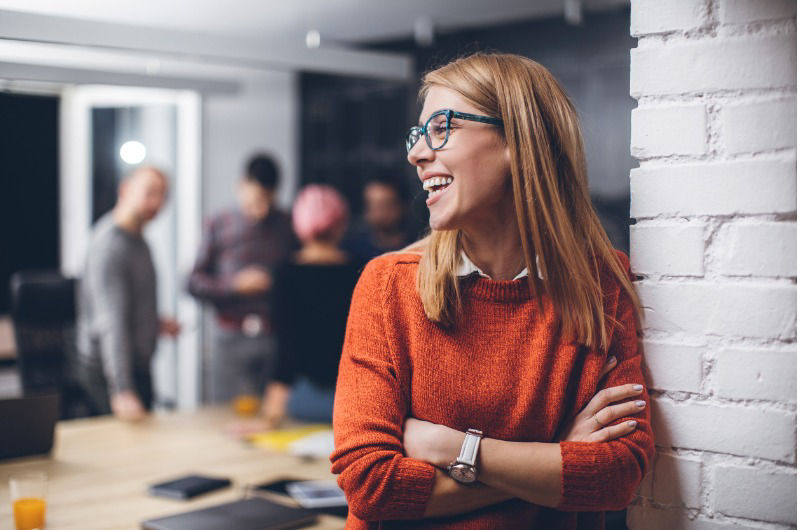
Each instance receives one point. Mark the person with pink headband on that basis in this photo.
(311, 298)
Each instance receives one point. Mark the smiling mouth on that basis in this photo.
(436, 185)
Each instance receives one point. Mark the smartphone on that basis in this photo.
(317, 493)
(276, 486)
(280, 487)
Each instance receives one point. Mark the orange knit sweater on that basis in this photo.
(502, 369)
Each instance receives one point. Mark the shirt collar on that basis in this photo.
(466, 267)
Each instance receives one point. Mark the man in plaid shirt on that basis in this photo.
(233, 272)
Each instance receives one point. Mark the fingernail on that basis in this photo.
(638, 388)
(631, 424)
(611, 360)
(640, 404)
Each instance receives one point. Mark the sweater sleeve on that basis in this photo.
(604, 476)
(204, 281)
(368, 414)
(111, 294)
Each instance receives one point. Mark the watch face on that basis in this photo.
(463, 473)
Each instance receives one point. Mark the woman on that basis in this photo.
(454, 347)
(311, 299)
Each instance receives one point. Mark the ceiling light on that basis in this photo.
(313, 39)
(132, 152)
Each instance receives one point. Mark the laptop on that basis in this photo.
(246, 514)
(28, 424)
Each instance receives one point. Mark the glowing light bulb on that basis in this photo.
(313, 39)
(132, 152)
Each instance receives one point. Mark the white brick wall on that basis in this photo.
(755, 493)
(753, 373)
(674, 366)
(756, 248)
(715, 243)
(758, 186)
(658, 16)
(762, 126)
(669, 130)
(706, 65)
(676, 249)
(677, 481)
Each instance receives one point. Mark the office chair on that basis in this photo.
(43, 312)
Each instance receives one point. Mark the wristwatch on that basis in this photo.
(463, 468)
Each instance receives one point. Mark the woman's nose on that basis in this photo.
(420, 152)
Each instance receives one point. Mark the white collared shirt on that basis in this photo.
(466, 267)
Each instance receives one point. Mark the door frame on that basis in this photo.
(76, 203)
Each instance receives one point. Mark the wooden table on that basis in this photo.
(100, 468)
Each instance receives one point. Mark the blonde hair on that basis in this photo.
(555, 216)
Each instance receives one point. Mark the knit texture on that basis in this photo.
(502, 369)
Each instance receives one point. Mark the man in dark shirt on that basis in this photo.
(240, 249)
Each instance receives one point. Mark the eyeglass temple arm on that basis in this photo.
(476, 117)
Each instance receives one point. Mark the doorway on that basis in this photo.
(106, 132)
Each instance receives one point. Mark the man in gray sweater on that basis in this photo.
(118, 323)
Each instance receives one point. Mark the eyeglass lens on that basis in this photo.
(436, 131)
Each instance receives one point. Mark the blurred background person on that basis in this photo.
(385, 227)
(233, 272)
(118, 323)
(311, 299)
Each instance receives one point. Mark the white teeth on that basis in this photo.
(436, 181)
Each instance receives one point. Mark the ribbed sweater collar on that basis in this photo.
(482, 288)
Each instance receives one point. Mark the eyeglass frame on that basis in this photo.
(449, 115)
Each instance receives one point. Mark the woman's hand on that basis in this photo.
(592, 423)
(436, 444)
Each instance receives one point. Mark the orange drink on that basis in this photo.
(29, 513)
(28, 500)
(246, 405)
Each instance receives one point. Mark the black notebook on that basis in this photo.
(247, 514)
(188, 487)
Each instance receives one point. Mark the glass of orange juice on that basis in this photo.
(246, 404)
(28, 499)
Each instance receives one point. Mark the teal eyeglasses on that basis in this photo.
(437, 129)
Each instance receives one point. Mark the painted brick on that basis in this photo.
(714, 64)
(760, 126)
(643, 518)
(672, 366)
(743, 187)
(759, 310)
(744, 11)
(732, 429)
(757, 374)
(657, 16)
(753, 493)
(664, 131)
(646, 485)
(676, 249)
(756, 248)
(677, 481)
